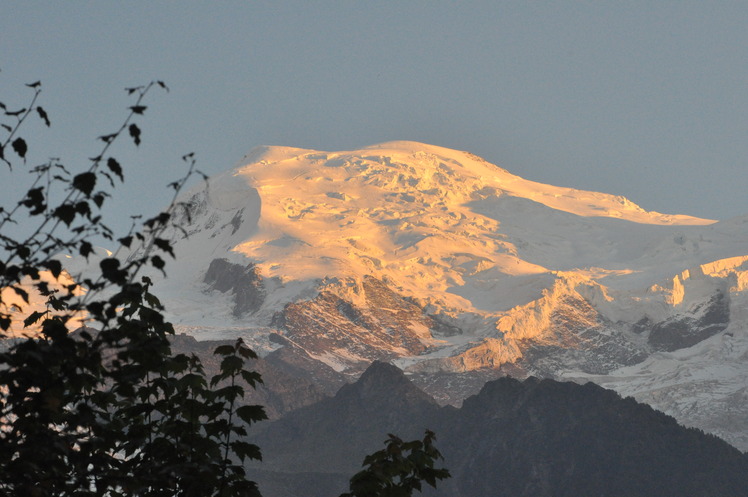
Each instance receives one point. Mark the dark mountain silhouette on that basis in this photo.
(529, 438)
(537, 438)
(336, 433)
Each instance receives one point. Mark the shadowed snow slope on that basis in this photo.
(450, 265)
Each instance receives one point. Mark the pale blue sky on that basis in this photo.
(647, 99)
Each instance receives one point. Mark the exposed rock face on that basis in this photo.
(583, 338)
(680, 332)
(244, 281)
(381, 326)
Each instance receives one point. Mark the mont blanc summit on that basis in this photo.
(458, 271)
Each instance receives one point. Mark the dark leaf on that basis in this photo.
(85, 182)
(95, 308)
(43, 288)
(159, 220)
(152, 301)
(43, 114)
(251, 414)
(65, 213)
(138, 109)
(35, 84)
(246, 352)
(85, 248)
(35, 201)
(162, 85)
(54, 328)
(114, 166)
(192, 381)
(54, 266)
(135, 133)
(224, 350)
(251, 377)
(11, 273)
(33, 318)
(229, 393)
(19, 146)
(125, 240)
(231, 364)
(21, 293)
(57, 304)
(84, 209)
(108, 138)
(158, 263)
(111, 271)
(30, 271)
(246, 450)
(99, 199)
(23, 252)
(164, 245)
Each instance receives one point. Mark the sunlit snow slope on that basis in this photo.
(446, 263)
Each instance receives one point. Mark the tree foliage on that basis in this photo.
(108, 409)
(399, 469)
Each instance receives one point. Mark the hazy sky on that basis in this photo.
(646, 99)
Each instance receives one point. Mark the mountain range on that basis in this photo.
(459, 273)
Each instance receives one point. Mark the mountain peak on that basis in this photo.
(384, 383)
(382, 373)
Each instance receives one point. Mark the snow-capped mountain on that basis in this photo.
(459, 271)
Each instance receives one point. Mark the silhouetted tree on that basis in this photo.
(106, 410)
(399, 469)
